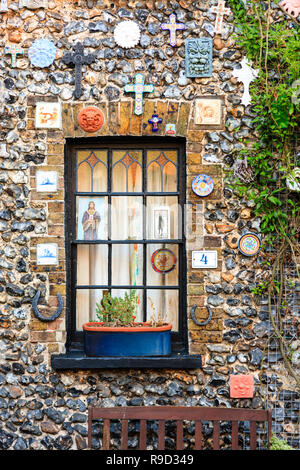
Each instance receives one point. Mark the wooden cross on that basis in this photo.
(13, 50)
(3, 6)
(220, 11)
(155, 120)
(78, 58)
(172, 26)
(139, 88)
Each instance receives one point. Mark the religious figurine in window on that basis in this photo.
(90, 222)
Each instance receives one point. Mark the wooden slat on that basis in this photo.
(161, 434)
(106, 434)
(216, 435)
(143, 434)
(269, 427)
(235, 435)
(124, 439)
(179, 435)
(198, 435)
(90, 428)
(252, 435)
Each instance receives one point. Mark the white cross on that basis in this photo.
(3, 6)
(246, 75)
(220, 11)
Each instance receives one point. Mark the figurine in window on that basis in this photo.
(90, 222)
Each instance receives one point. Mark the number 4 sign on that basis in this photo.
(205, 259)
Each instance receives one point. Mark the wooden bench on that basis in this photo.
(179, 414)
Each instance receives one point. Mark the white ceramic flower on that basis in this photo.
(127, 34)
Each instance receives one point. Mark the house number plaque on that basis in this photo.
(204, 259)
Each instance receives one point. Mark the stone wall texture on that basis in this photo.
(41, 408)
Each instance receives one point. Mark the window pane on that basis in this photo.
(163, 303)
(92, 170)
(161, 171)
(91, 215)
(127, 218)
(127, 171)
(139, 311)
(127, 265)
(162, 217)
(92, 265)
(162, 265)
(86, 300)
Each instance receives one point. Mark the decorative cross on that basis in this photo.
(3, 6)
(13, 50)
(78, 59)
(155, 120)
(172, 26)
(139, 88)
(220, 11)
(246, 75)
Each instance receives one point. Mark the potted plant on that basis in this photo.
(118, 334)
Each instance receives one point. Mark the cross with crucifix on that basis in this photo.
(13, 50)
(3, 6)
(220, 10)
(155, 120)
(172, 26)
(139, 88)
(78, 58)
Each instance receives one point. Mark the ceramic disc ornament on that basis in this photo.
(42, 53)
(163, 261)
(91, 119)
(202, 185)
(249, 244)
(127, 34)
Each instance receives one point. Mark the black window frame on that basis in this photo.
(74, 338)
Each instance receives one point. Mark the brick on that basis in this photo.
(206, 336)
(197, 348)
(224, 228)
(125, 113)
(56, 230)
(212, 242)
(67, 120)
(113, 118)
(37, 325)
(79, 132)
(136, 124)
(183, 119)
(161, 111)
(57, 289)
(42, 336)
(194, 289)
(213, 325)
(56, 206)
(172, 114)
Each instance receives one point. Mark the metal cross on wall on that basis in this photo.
(13, 50)
(155, 120)
(139, 88)
(78, 58)
(172, 26)
(220, 10)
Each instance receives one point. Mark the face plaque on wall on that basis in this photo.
(48, 115)
(198, 57)
(208, 112)
(91, 119)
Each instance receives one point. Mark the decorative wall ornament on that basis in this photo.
(33, 4)
(241, 386)
(161, 223)
(246, 74)
(172, 26)
(39, 315)
(127, 34)
(46, 181)
(78, 58)
(46, 254)
(170, 129)
(201, 323)
(249, 244)
(198, 57)
(293, 180)
(91, 119)
(220, 10)
(3, 6)
(205, 259)
(163, 261)
(139, 88)
(155, 120)
(292, 7)
(202, 185)
(208, 112)
(42, 53)
(48, 115)
(13, 50)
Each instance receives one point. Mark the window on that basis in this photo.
(124, 226)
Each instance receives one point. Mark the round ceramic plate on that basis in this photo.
(249, 244)
(163, 260)
(202, 185)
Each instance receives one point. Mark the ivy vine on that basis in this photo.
(271, 42)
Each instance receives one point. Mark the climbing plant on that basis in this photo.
(271, 42)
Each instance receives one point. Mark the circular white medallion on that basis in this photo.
(127, 34)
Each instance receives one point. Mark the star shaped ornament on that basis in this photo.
(127, 34)
(246, 75)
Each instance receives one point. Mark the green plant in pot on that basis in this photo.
(118, 334)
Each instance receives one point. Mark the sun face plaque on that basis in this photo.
(198, 57)
(91, 119)
(241, 386)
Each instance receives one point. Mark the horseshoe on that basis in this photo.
(38, 314)
(205, 322)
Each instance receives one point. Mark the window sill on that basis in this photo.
(78, 360)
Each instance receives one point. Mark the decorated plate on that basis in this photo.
(202, 185)
(42, 53)
(249, 244)
(163, 261)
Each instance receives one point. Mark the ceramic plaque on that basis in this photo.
(170, 129)
(91, 119)
(127, 34)
(42, 53)
(249, 244)
(208, 112)
(48, 115)
(204, 259)
(202, 185)
(198, 57)
(46, 181)
(47, 254)
(163, 261)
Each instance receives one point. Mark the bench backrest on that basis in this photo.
(179, 414)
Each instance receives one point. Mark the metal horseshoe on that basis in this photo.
(38, 314)
(205, 322)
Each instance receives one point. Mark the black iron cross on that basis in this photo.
(78, 58)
